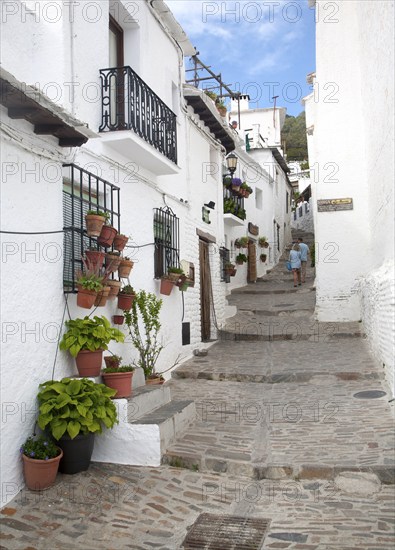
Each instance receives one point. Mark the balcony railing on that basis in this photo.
(129, 104)
(234, 204)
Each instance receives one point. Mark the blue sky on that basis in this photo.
(262, 48)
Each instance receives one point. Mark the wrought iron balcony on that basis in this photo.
(128, 103)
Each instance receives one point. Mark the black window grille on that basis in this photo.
(233, 204)
(167, 240)
(83, 191)
(128, 103)
(224, 254)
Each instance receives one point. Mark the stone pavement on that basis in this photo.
(279, 436)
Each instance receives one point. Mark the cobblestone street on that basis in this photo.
(279, 435)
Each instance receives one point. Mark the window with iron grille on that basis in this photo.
(83, 191)
(224, 254)
(167, 240)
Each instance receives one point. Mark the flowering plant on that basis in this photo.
(40, 448)
(237, 181)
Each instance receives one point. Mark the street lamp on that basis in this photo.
(231, 163)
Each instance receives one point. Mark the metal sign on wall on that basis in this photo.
(334, 205)
(253, 229)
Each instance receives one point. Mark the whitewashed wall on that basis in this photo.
(356, 281)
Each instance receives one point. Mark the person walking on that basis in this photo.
(296, 264)
(304, 251)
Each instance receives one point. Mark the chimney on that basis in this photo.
(244, 104)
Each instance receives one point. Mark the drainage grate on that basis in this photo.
(370, 394)
(215, 532)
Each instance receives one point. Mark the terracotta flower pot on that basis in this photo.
(115, 287)
(231, 271)
(154, 380)
(112, 361)
(265, 244)
(112, 262)
(107, 236)
(124, 269)
(85, 298)
(222, 111)
(40, 474)
(89, 363)
(95, 258)
(101, 299)
(118, 319)
(120, 242)
(120, 381)
(166, 286)
(94, 224)
(125, 301)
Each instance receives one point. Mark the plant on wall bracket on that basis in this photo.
(241, 259)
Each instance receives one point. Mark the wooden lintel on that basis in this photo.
(21, 112)
(47, 129)
(72, 141)
(206, 236)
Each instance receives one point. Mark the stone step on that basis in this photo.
(146, 399)
(259, 291)
(258, 377)
(142, 442)
(172, 420)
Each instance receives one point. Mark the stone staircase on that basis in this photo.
(149, 422)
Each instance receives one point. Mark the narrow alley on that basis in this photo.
(282, 434)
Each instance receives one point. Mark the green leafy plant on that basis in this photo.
(123, 368)
(242, 242)
(241, 258)
(211, 95)
(89, 334)
(312, 255)
(90, 282)
(75, 406)
(105, 215)
(144, 326)
(40, 448)
(263, 257)
(262, 241)
(175, 270)
(229, 206)
(128, 289)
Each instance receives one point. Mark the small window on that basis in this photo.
(83, 191)
(167, 239)
(224, 254)
(258, 199)
(287, 203)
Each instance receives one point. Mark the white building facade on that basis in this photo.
(350, 123)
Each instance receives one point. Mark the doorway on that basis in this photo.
(252, 270)
(117, 79)
(205, 290)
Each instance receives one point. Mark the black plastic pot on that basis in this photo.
(77, 453)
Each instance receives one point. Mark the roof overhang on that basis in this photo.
(28, 103)
(280, 159)
(208, 113)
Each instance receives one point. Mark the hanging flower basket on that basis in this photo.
(115, 287)
(125, 267)
(95, 259)
(112, 262)
(94, 224)
(85, 298)
(107, 236)
(118, 319)
(166, 286)
(126, 298)
(102, 295)
(263, 258)
(120, 242)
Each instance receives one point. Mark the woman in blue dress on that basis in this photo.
(296, 264)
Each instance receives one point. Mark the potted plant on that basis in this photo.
(95, 258)
(263, 258)
(125, 267)
(94, 221)
(242, 242)
(221, 107)
(41, 459)
(112, 360)
(227, 181)
(120, 241)
(241, 259)
(88, 285)
(176, 275)
(230, 269)
(236, 183)
(211, 95)
(107, 235)
(166, 285)
(118, 319)
(73, 411)
(102, 296)
(113, 259)
(262, 241)
(120, 379)
(126, 297)
(86, 339)
(115, 287)
(144, 325)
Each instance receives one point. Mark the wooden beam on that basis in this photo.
(72, 141)
(47, 129)
(21, 112)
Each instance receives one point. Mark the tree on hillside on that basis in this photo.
(294, 136)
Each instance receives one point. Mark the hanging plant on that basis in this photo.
(241, 259)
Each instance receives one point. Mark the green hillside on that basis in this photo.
(294, 136)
